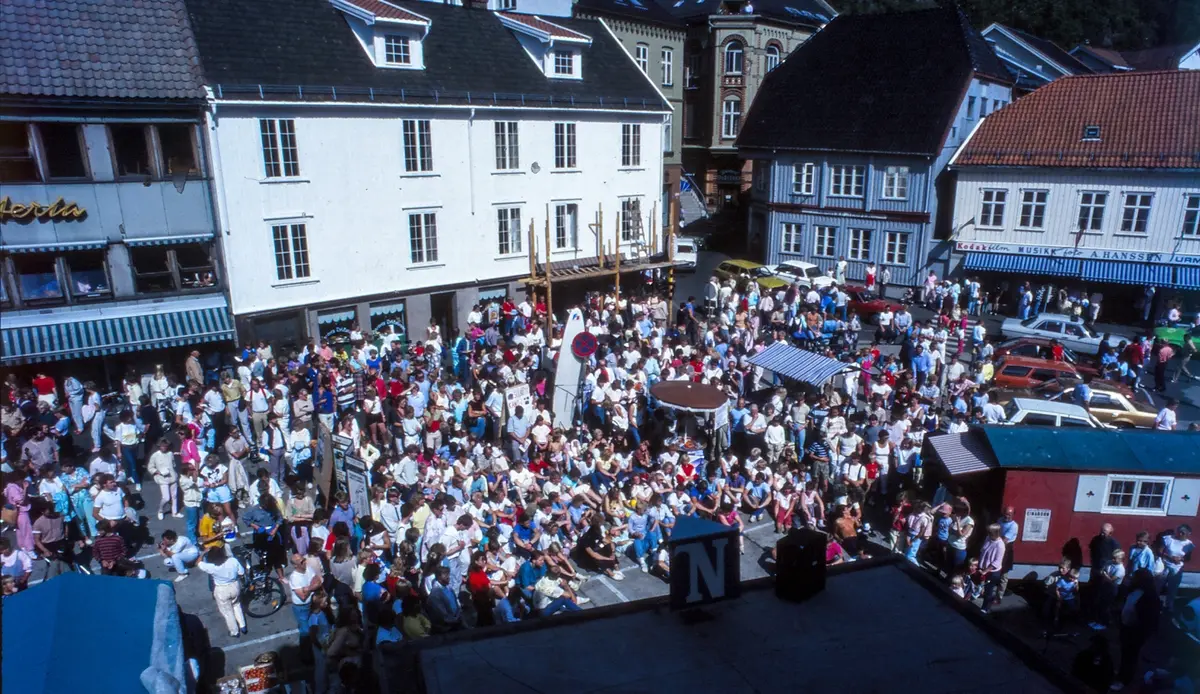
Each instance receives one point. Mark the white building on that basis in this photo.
(383, 162)
(1089, 182)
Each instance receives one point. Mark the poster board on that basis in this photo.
(341, 448)
(518, 396)
(357, 484)
(1037, 525)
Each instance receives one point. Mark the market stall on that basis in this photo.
(709, 406)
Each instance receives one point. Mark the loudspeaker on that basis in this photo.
(800, 565)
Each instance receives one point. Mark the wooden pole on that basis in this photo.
(549, 291)
(532, 254)
(672, 223)
(653, 230)
(617, 266)
(600, 234)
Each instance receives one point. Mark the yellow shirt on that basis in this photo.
(207, 528)
(416, 627)
(419, 518)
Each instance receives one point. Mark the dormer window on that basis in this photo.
(554, 48)
(564, 63)
(396, 50)
(1091, 133)
(391, 36)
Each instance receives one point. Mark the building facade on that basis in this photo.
(422, 186)
(1032, 61)
(1088, 182)
(843, 176)
(106, 215)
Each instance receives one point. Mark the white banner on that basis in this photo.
(1082, 253)
(518, 396)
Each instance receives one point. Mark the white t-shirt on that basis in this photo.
(301, 579)
(110, 504)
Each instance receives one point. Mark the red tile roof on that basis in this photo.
(384, 10)
(1146, 120)
(537, 23)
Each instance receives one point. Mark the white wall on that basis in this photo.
(355, 198)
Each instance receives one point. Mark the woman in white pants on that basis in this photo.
(226, 572)
(161, 467)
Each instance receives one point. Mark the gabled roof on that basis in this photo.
(863, 84)
(304, 50)
(1146, 120)
(1108, 56)
(372, 11)
(541, 29)
(1072, 449)
(634, 10)
(1160, 58)
(110, 49)
(813, 13)
(1047, 49)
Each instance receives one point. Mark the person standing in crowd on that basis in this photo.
(226, 573)
(1139, 621)
(161, 468)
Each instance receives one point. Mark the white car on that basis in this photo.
(807, 274)
(1048, 413)
(1068, 330)
(686, 252)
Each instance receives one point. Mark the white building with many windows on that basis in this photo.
(384, 162)
(1089, 182)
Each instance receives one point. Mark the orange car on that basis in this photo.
(1027, 372)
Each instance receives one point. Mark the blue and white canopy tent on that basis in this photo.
(787, 361)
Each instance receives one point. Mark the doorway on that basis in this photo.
(442, 310)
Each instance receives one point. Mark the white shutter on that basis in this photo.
(1089, 495)
(1185, 497)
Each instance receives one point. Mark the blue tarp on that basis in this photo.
(93, 635)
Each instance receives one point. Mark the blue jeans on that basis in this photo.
(799, 433)
(302, 612)
(560, 605)
(129, 460)
(643, 546)
(76, 405)
(914, 546)
(98, 429)
(192, 514)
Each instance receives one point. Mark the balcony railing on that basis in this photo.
(733, 81)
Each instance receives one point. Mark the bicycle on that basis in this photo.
(262, 593)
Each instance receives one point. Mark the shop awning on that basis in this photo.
(55, 247)
(963, 453)
(496, 294)
(387, 309)
(1033, 264)
(115, 329)
(345, 316)
(1187, 278)
(168, 240)
(798, 364)
(1126, 273)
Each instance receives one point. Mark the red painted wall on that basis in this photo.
(1056, 491)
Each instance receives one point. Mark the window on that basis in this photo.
(791, 238)
(733, 58)
(564, 145)
(177, 148)
(642, 57)
(895, 251)
(1147, 495)
(971, 107)
(564, 63)
(88, 273)
(860, 244)
(506, 4)
(731, 117)
(691, 72)
(17, 163)
(846, 181)
(396, 50)
(151, 269)
(280, 156)
(983, 107)
(187, 266)
(1191, 215)
(991, 213)
(668, 139)
(760, 176)
(1091, 133)
(689, 120)
(194, 263)
(1033, 209)
(566, 230)
(418, 148)
(631, 218)
(508, 230)
(131, 154)
(422, 237)
(825, 241)
(803, 178)
(507, 158)
(37, 277)
(895, 183)
(63, 150)
(291, 251)
(1091, 210)
(668, 67)
(772, 59)
(1137, 213)
(631, 144)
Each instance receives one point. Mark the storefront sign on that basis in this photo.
(1081, 253)
(729, 176)
(57, 211)
(1037, 525)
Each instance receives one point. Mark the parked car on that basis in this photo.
(1068, 330)
(1049, 414)
(686, 253)
(807, 274)
(1112, 402)
(1025, 372)
(1039, 348)
(868, 306)
(743, 271)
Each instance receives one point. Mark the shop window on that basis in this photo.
(130, 153)
(17, 164)
(196, 270)
(335, 325)
(178, 149)
(88, 271)
(390, 314)
(63, 148)
(37, 277)
(151, 270)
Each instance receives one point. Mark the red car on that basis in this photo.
(1039, 348)
(866, 304)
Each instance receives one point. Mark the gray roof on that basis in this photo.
(109, 49)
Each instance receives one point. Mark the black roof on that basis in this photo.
(98, 49)
(872, 83)
(1051, 51)
(637, 10)
(808, 12)
(304, 50)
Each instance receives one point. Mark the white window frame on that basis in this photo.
(895, 183)
(1141, 212)
(281, 154)
(668, 66)
(423, 246)
(1137, 480)
(508, 145)
(1033, 209)
(563, 63)
(508, 230)
(565, 146)
(566, 226)
(668, 133)
(804, 177)
(970, 108)
(892, 248)
(791, 235)
(847, 177)
(631, 145)
(641, 56)
(824, 241)
(734, 57)
(292, 252)
(860, 244)
(417, 137)
(691, 71)
(991, 211)
(630, 207)
(1091, 212)
(397, 49)
(1191, 215)
(772, 57)
(731, 117)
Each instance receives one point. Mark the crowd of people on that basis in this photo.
(481, 512)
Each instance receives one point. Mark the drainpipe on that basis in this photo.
(217, 201)
(470, 159)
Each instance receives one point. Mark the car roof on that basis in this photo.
(797, 263)
(1049, 407)
(747, 264)
(1027, 339)
(1061, 316)
(1035, 362)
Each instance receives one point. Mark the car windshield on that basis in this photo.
(759, 271)
(812, 272)
(1010, 410)
(686, 247)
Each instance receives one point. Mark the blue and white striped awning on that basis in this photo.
(1032, 264)
(156, 328)
(1127, 273)
(1187, 278)
(798, 364)
(168, 240)
(963, 453)
(55, 246)
(335, 316)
